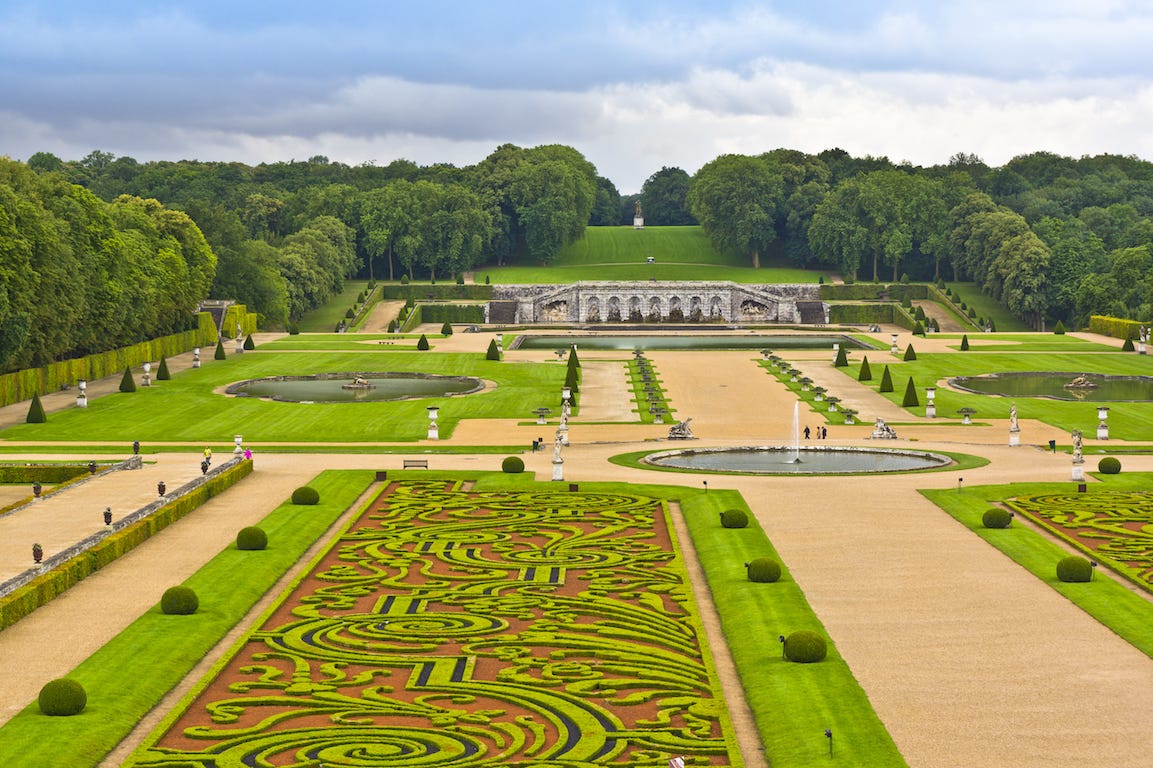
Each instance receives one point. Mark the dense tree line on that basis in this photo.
(287, 235)
(1051, 237)
(79, 275)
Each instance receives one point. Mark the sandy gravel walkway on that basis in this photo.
(967, 658)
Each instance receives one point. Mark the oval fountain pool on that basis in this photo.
(806, 460)
(345, 387)
(1093, 387)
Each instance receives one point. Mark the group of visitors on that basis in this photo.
(821, 432)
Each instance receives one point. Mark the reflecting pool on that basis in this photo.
(1092, 387)
(344, 387)
(805, 460)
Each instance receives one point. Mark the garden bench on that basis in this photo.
(416, 463)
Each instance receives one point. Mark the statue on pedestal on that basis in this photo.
(1013, 425)
(1077, 457)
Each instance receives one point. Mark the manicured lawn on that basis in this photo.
(186, 408)
(324, 319)
(1127, 420)
(641, 271)
(624, 245)
(986, 307)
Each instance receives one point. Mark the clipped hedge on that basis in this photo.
(62, 697)
(21, 385)
(1109, 465)
(512, 465)
(763, 570)
(251, 539)
(45, 474)
(1116, 327)
(47, 586)
(995, 517)
(179, 601)
(439, 291)
(306, 495)
(453, 313)
(735, 518)
(1074, 569)
(805, 647)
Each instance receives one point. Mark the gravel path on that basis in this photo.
(968, 659)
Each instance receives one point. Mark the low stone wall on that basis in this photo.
(665, 301)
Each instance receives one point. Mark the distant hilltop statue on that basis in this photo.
(638, 217)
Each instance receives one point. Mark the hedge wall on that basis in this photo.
(21, 385)
(452, 313)
(867, 291)
(47, 586)
(237, 313)
(1114, 326)
(865, 314)
(420, 291)
(46, 474)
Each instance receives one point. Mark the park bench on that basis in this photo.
(416, 463)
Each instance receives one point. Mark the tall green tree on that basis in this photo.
(736, 198)
(664, 198)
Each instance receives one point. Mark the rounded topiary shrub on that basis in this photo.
(179, 601)
(996, 517)
(1074, 568)
(62, 697)
(734, 518)
(805, 647)
(251, 538)
(1110, 465)
(306, 495)
(763, 570)
(512, 465)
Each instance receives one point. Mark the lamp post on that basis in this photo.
(82, 398)
(196, 357)
(146, 380)
(433, 429)
(930, 407)
(1102, 425)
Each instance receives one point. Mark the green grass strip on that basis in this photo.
(794, 703)
(1113, 604)
(128, 677)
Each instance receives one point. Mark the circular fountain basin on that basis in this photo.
(332, 387)
(687, 340)
(1092, 387)
(782, 460)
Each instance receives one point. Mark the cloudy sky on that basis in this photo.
(633, 86)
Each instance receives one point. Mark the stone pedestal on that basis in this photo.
(930, 411)
(638, 222)
(81, 400)
(1102, 431)
(1014, 438)
(558, 469)
(433, 431)
(1078, 472)
(1140, 347)
(563, 429)
(196, 362)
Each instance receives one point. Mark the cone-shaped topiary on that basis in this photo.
(251, 538)
(306, 495)
(805, 647)
(127, 383)
(965, 342)
(735, 518)
(1073, 569)
(919, 314)
(919, 329)
(1110, 465)
(1127, 346)
(493, 352)
(162, 372)
(219, 354)
(572, 379)
(910, 399)
(992, 324)
(512, 465)
(1059, 328)
(910, 353)
(62, 697)
(866, 373)
(249, 343)
(179, 601)
(422, 343)
(763, 570)
(842, 357)
(392, 326)
(995, 517)
(446, 329)
(886, 381)
(36, 414)
(573, 360)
